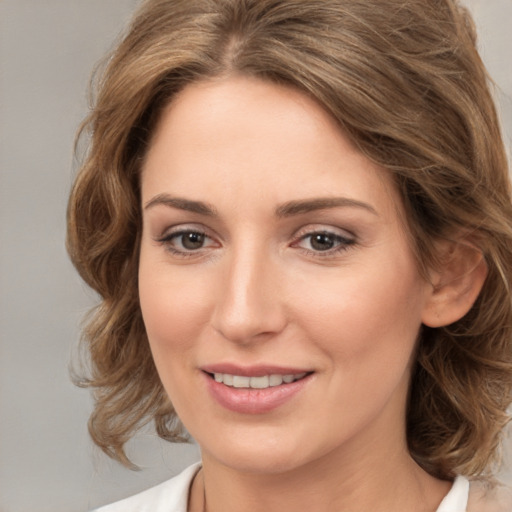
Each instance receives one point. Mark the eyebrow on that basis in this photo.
(321, 203)
(182, 204)
(288, 209)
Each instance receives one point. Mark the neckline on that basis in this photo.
(455, 501)
(457, 498)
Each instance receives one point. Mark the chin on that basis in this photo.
(261, 463)
(265, 452)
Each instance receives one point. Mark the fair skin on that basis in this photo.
(271, 246)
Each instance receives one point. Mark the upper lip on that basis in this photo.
(254, 370)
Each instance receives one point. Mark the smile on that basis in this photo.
(255, 394)
(260, 382)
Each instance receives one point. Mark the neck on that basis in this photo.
(380, 482)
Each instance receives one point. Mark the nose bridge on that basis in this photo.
(249, 302)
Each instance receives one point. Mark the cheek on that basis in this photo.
(368, 315)
(174, 312)
(174, 306)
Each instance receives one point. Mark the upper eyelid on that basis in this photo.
(184, 228)
(343, 239)
(321, 228)
(303, 231)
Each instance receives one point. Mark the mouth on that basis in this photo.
(256, 389)
(256, 382)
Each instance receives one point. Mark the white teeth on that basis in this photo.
(262, 382)
(275, 380)
(241, 382)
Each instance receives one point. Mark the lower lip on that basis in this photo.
(254, 401)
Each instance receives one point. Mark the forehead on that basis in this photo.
(243, 135)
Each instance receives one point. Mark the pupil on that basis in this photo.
(322, 242)
(192, 240)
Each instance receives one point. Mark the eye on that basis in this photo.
(186, 241)
(324, 242)
(191, 240)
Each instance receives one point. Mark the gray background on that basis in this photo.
(47, 51)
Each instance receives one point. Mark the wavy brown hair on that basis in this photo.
(404, 80)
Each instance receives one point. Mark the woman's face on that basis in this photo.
(273, 251)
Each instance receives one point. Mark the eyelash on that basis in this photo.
(343, 243)
(168, 238)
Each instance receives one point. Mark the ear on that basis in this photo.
(456, 284)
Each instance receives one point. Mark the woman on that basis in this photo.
(297, 215)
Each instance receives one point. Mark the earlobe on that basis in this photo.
(455, 286)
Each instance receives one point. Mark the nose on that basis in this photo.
(250, 302)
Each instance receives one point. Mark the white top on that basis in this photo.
(172, 496)
(169, 496)
(457, 498)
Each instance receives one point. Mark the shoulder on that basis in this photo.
(169, 496)
(489, 497)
